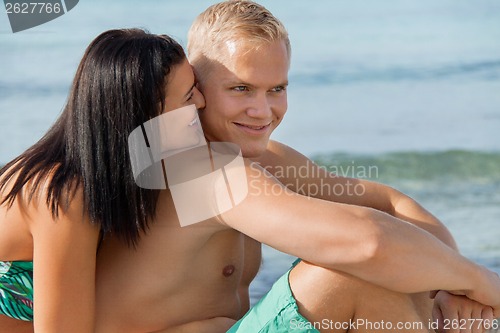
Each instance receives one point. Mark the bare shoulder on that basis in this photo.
(70, 220)
(278, 154)
(16, 241)
(33, 202)
(30, 217)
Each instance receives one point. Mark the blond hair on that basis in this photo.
(232, 20)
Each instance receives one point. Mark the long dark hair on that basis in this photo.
(118, 85)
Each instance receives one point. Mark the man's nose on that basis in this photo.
(260, 107)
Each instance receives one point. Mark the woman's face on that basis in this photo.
(181, 90)
(180, 127)
(175, 130)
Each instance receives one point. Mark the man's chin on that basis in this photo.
(253, 151)
(248, 148)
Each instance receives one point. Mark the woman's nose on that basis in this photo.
(198, 98)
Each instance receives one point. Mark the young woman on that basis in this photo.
(62, 195)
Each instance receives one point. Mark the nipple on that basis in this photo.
(228, 270)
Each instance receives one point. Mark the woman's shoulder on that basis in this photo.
(32, 196)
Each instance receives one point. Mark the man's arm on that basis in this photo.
(311, 177)
(357, 240)
(301, 175)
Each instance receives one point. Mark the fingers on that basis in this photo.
(488, 318)
(476, 314)
(437, 316)
(496, 312)
(449, 306)
(458, 314)
(476, 326)
(487, 314)
(451, 320)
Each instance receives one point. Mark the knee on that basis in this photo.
(307, 278)
(324, 294)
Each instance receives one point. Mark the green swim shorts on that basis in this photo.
(276, 312)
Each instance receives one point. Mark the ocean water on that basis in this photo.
(409, 87)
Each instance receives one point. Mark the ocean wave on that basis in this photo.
(437, 167)
(462, 165)
(348, 74)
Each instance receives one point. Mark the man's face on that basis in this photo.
(246, 96)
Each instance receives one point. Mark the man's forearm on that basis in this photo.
(409, 210)
(319, 183)
(391, 201)
(397, 204)
(409, 259)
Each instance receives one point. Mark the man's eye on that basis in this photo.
(278, 89)
(240, 88)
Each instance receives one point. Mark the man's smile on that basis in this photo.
(254, 129)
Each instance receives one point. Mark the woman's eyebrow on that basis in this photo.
(190, 90)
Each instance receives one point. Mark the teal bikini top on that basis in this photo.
(16, 289)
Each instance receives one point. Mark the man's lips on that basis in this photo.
(254, 129)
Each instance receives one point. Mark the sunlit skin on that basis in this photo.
(246, 96)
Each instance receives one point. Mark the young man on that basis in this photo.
(241, 56)
(359, 262)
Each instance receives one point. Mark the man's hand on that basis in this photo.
(459, 314)
(487, 291)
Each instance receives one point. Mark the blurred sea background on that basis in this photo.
(410, 89)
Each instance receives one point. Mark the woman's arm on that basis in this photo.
(64, 258)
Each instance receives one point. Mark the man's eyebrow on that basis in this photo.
(282, 84)
(236, 82)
